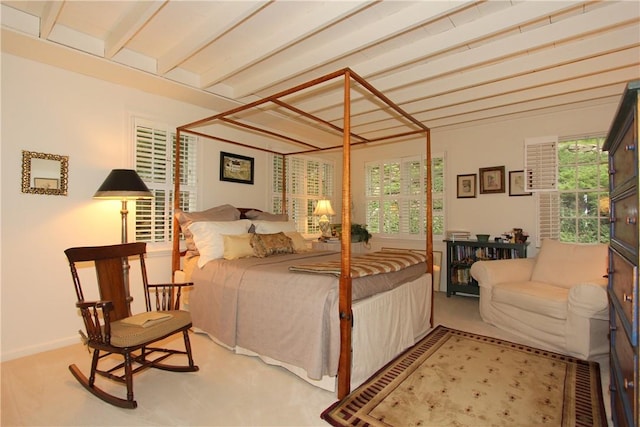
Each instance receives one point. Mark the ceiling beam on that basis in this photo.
(137, 17)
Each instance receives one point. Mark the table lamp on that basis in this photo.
(323, 208)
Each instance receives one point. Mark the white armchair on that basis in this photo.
(557, 300)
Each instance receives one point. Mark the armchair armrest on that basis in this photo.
(167, 295)
(589, 299)
(487, 273)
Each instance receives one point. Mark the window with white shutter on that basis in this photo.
(396, 196)
(541, 163)
(578, 210)
(308, 180)
(154, 160)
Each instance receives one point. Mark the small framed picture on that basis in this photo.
(516, 184)
(466, 186)
(492, 180)
(236, 168)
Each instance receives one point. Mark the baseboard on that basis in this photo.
(30, 350)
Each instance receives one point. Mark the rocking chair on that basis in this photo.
(111, 329)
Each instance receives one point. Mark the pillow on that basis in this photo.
(237, 246)
(567, 264)
(218, 213)
(207, 236)
(266, 216)
(265, 245)
(297, 241)
(270, 227)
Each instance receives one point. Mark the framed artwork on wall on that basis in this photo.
(466, 186)
(516, 184)
(236, 168)
(492, 180)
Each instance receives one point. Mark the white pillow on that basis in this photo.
(207, 236)
(271, 227)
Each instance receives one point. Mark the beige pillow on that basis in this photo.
(265, 245)
(567, 264)
(218, 213)
(237, 246)
(299, 243)
(270, 227)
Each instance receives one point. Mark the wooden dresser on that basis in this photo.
(622, 145)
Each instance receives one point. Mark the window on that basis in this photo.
(154, 160)
(308, 180)
(583, 191)
(396, 196)
(579, 210)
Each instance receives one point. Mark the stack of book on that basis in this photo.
(454, 235)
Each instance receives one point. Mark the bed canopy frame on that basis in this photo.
(272, 120)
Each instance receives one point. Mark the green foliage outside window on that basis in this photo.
(583, 188)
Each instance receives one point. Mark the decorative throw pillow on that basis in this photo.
(299, 243)
(567, 264)
(265, 245)
(218, 213)
(266, 216)
(237, 246)
(208, 237)
(269, 227)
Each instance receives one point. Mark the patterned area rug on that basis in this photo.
(455, 378)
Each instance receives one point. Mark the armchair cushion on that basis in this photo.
(567, 264)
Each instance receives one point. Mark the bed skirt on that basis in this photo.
(384, 325)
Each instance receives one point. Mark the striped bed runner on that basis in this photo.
(366, 265)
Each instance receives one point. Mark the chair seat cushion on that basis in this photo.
(128, 334)
(535, 297)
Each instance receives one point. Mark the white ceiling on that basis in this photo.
(444, 62)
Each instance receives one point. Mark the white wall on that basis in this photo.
(46, 109)
(50, 110)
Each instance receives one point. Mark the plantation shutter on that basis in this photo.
(548, 214)
(373, 189)
(154, 159)
(541, 163)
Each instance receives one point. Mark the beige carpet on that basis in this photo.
(456, 378)
(229, 390)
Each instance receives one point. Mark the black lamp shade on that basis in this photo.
(123, 184)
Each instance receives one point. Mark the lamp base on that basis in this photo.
(325, 228)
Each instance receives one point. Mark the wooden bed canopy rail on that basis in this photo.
(297, 146)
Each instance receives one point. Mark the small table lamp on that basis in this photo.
(323, 208)
(123, 184)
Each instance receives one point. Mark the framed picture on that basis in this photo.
(467, 186)
(46, 183)
(236, 168)
(492, 180)
(516, 184)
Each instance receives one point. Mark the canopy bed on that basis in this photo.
(274, 123)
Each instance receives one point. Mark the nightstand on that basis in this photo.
(334, 245)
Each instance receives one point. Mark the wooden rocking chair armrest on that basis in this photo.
(90, 311)
(171, 285)
(103, 305)
(165, 299)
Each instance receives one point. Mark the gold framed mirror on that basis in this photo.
(44, 173)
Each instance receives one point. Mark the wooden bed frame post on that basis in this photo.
(175, 257)
(429, 218)
(346, 315)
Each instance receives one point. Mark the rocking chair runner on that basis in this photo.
(120, 332)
